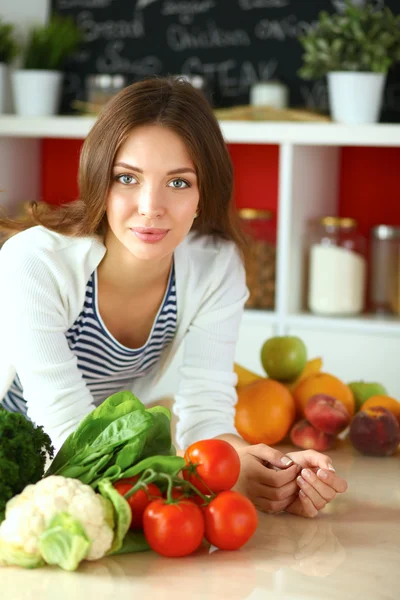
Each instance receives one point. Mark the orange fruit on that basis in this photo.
(322, 383)
(385, 401)
(265, 412)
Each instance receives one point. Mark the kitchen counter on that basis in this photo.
(350, 551)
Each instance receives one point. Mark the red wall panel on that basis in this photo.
(369, 181)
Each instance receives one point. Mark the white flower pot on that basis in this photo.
(356, 97)
(37, 93)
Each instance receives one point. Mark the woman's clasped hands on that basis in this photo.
(302, 482)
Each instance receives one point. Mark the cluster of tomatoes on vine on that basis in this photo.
(198, 505)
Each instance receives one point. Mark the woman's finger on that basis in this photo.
(308, 507)
(312, 458)
(318, 492)
(329, 478)
(274, 493)
(272, 506)
(270, 456)
(273, 478)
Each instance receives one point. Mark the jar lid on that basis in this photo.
(255, 213)
(347, 223)
(342, 222)
(385, 232)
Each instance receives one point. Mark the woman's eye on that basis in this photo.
(125, 179)
(181, 184)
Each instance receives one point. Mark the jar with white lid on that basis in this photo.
(337, 267)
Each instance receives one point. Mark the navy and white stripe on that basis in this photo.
(106, 365)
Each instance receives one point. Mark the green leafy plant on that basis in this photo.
(360, 39)
(23, 452)
(48, 46)
(113, 438)
(8, 45)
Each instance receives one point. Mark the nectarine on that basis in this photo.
(375, 431)
(327, 414)
(305, 436)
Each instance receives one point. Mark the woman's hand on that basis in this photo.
(317, 481)
(270, 489)
(271, 479)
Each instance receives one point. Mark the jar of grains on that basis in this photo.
(260, 260)
(384, 278)
(337, 267)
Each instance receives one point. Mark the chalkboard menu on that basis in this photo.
(231, 43)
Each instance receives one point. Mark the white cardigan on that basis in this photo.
(43, 278)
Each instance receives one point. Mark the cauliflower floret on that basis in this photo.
(28, 514)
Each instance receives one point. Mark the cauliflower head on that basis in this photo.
(29, 514)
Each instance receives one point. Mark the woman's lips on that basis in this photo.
(149, 235)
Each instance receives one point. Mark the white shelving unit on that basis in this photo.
(309, 158)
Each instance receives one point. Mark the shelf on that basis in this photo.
(367, 324)
(240, 132)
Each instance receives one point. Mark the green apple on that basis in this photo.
(283, 357)
(363, 390)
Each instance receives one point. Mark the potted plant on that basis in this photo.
(8, 50)
(355, 50)
(37, 85)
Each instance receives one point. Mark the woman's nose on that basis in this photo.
(151, 203)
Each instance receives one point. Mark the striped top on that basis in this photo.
(106, 365)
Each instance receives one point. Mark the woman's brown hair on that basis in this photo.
(170, 102)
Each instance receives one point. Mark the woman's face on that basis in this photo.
(154, 193)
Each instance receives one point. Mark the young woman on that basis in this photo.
(98, 295)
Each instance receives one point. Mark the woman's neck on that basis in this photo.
(126, 273)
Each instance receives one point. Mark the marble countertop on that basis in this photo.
(350, 551)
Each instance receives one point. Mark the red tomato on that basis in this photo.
(230, 520)
(218, 466)
(173, 529)
(139, 500)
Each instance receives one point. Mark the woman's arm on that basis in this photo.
(33, 318)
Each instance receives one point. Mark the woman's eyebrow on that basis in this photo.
(173, 172)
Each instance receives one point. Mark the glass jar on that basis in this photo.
(337, 267)
(102, 87)
(261, 258)
(384, 283)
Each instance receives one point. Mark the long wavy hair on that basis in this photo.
(170, 102)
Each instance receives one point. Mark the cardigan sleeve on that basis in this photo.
(206, 398)
(34, 322)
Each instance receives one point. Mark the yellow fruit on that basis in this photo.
(245, 376)
(313, 366)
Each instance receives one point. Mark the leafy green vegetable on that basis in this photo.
(93, 424)
(23, 452)
(113, 438)
(170, 465)
(122, 513)
(134, 541)
(64, 543)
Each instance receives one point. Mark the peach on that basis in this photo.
(305, 436)
(327, 414)
(375, 431)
